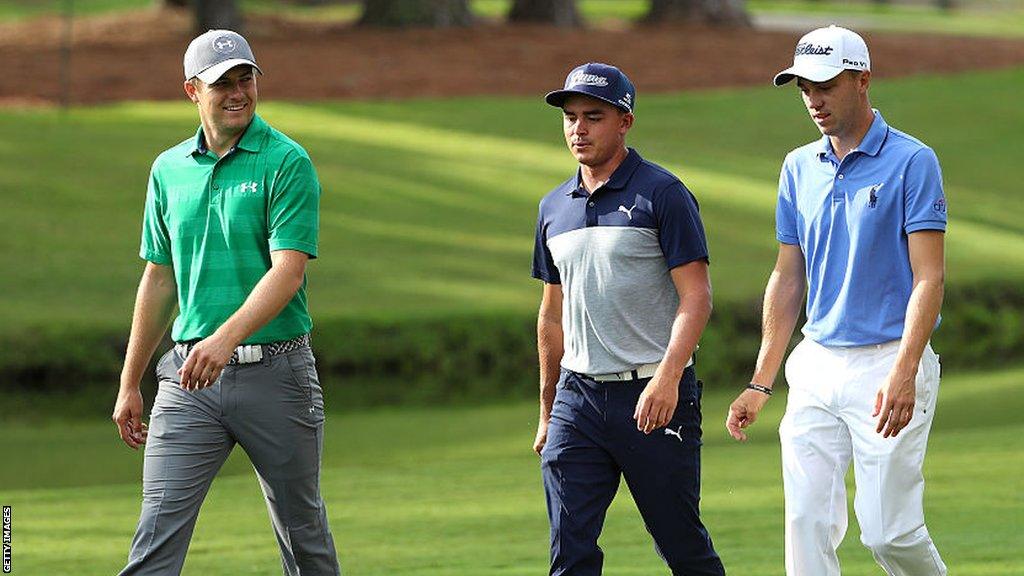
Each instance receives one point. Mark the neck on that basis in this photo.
(595, 176)
(219, 142)
(843, 143)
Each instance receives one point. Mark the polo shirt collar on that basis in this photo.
(618, 179)
(870, 144)
(250, 141)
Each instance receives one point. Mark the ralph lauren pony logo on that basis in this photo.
(873, 195)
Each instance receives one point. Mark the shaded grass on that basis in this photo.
(429, 205)
(457, 492)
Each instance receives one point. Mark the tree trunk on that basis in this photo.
(714, 12)
(403, 13)
(215, 14)
(562, 13)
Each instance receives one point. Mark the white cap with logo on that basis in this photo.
(823, 53)
(213, 53)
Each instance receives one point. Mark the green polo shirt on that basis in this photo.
(216, 221)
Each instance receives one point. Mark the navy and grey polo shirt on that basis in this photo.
(852, 219)
(612, 251)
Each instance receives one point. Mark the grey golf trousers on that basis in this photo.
(274, 409)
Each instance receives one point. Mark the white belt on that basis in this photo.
(638, 373)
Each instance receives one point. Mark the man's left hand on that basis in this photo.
(657, 403)
(205, 362)
(895, 403)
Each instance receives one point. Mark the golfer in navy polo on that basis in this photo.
(621, 250)
(860, 221)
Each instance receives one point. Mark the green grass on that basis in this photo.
(429, 206)
(457, 492)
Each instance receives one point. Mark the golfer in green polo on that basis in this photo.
(231, 219)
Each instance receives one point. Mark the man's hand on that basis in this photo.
(205, 362)
(128, 417)
(895, 403)
(743, 412)
(657, 403)
(542, 436)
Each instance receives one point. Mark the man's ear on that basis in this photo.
(627, 122)
(190, 91)
(864, 80)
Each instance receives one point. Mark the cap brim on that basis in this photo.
(213, 73)
(558, 97)
(809, 72)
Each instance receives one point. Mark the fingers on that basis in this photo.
(735, 422)
(185, 372)
(199, 371)
(651, 414)
(878, 403)
(538, 445)
(895, 417)
(133, 433)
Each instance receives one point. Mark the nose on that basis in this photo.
(813, 99)
(580, 127)
(235, 90)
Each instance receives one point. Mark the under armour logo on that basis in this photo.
(678, 433)
(628, 211)
(249, 187)
(224, 45)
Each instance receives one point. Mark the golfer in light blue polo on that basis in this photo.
(860, 222)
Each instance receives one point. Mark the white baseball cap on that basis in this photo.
(823, 53)
(214, 52)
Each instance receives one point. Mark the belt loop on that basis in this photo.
(636, 375)
(265, 350)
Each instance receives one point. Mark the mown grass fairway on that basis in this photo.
(456, 492)
(429, 206)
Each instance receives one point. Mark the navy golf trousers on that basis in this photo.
(592, 440)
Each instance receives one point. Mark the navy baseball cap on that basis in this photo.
(601, 81)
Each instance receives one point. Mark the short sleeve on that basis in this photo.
(680, 230)
(156, 241)
(924, 203)
(543, 263)
(294, 213)
(785, 208)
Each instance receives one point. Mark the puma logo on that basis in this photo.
(628, 211)
(677, 433)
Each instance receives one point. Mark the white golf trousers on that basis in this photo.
(828, 422)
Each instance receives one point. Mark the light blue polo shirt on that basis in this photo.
(852, 219)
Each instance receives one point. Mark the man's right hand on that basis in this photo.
(743, 412)
(128, 417)
(542, 436)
